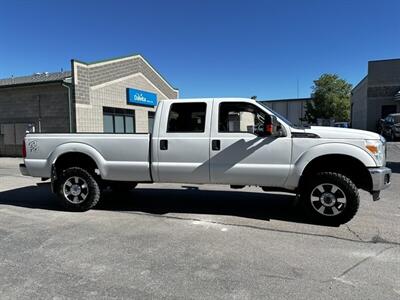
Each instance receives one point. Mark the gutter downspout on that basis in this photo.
(69, 104)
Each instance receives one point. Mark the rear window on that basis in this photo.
(187, 117)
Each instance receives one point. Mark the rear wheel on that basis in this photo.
(331, 198)
(78, 190)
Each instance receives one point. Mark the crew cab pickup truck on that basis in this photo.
(230, 141)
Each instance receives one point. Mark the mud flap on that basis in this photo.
(376, 195)
(54, 179)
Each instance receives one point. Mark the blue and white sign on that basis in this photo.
(139, 97)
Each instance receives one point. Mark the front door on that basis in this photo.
(183, 146)
(241, 156)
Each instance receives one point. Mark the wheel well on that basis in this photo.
(349, 166)
(75, 159)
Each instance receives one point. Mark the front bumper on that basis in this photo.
(380, 178)
(23, 170)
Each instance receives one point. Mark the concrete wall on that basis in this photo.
(359, 105)
(375, 110)
(105, 83)
(376, 90)
(384, 72)
(383, 84)
(20, 106)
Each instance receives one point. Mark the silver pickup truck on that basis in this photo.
(237, 142)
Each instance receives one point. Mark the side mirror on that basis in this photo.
(272, 127)
(269, 127)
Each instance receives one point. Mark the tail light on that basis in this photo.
(23, 149)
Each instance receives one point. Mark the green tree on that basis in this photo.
(330, 99)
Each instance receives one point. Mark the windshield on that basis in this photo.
(278, 115)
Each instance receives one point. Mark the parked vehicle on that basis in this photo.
(341, 124)
(390, 126)
(237, 142)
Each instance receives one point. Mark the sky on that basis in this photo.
(220, 48)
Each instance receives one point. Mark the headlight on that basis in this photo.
(377, 149)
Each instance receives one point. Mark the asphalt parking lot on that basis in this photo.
(173, 241)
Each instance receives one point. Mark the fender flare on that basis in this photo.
(74, 147)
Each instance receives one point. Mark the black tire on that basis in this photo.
(87, 186)
(330, 198)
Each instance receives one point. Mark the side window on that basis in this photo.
(187, 117)
(241, 117)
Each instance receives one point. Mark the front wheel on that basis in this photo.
(78, 190)
(331, 198)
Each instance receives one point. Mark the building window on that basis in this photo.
(129, 124)
(187, 117)
(150, 116)
(108, 122)
(118, 120)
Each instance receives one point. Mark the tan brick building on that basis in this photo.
(105, 96)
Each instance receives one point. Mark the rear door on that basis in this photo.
(183, 142)
(238, 155)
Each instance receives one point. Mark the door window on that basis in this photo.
(187, 117)
(241, 117)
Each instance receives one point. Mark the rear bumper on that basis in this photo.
(380, 178)
(23, 170)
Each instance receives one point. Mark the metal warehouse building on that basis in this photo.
(292, 109)
(377, 95)
(115, 96)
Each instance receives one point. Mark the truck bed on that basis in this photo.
(124, 157)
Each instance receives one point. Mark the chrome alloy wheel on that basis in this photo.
(328, 199)
(75, 189)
